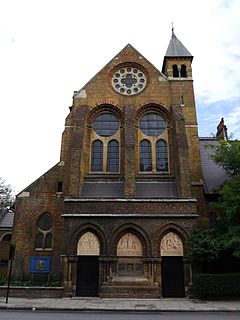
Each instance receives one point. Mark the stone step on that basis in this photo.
(130, 291)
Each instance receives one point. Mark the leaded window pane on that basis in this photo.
(106, 125)
(161, 155)
(39, 241)
(145, 156)
(48, 241)
(152, 124)
(97, 156)
(113, 156)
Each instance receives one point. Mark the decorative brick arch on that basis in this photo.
(134, 229)
(79, 231)
(103, 108)
(154, 107)
(171, 227)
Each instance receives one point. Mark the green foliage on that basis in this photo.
(203, 245)
(216, 285)
(20, 283)
(3, 279)
(227, 155)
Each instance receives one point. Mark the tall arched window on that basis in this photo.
(44, 237)
(97, 156)
(113, 156)
(183, 71)
(106, 137)
(153, 137)
(161, 155)
(175, 71)
(145, 156)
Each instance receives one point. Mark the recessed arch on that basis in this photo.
(72, 241)
(129, 245)
(171, 245)
(153, 107)
(104, 108)
(133, 229)
(174, 228)
(88, 244)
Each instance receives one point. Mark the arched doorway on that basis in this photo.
(171, 248)
(88, 250)
(129, 253)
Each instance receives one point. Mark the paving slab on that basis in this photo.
(121, 305)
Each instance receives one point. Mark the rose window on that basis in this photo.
(129, 80)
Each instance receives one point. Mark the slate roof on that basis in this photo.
(176, 48)
(144, 189)
(156, 189)
(6, 219)
(213, 175)
(102, 189)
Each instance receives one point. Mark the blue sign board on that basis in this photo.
(39, 264)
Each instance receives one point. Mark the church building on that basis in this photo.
(113, 217)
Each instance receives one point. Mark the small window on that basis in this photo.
(145, 156)
(44, 232)
(7, 237)
(113, 156)
(183, 71)
(59, 186)
(175, 71)
(97, 156)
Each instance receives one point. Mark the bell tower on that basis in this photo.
(177, 67)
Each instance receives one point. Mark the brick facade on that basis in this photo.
(60, 191)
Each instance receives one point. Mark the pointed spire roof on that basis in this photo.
(176, 48)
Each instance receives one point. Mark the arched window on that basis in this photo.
(105, 143)
(175, 71)
(153, 148)
(97, 156)
(161, 155)
(44, 239)
(183, 71)
(6, 237)
(145, 156)
(113, 156)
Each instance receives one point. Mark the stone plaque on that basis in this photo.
(129, 245)
(171, 245)
(88, 245)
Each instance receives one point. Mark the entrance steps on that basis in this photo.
(135, 287)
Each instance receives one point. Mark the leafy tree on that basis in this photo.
(203, 246)
(227, 155)
(206, 244)
(6, 195)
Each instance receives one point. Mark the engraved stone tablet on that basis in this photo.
(171, 245)
(88, 245)
(129, 245)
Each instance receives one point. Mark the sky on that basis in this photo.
(50, 48)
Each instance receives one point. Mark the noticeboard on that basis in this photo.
(39, 264)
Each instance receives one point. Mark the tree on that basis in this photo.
(6, 195)
(203, 246)
(206, 244)
(227, 155)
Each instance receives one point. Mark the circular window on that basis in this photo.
(45, 222)
(152, 124)
(129, 80)
(106, 125)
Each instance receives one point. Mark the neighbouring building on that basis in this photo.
(6, 224)
(113, 217)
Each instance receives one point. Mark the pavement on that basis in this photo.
(119, 305)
